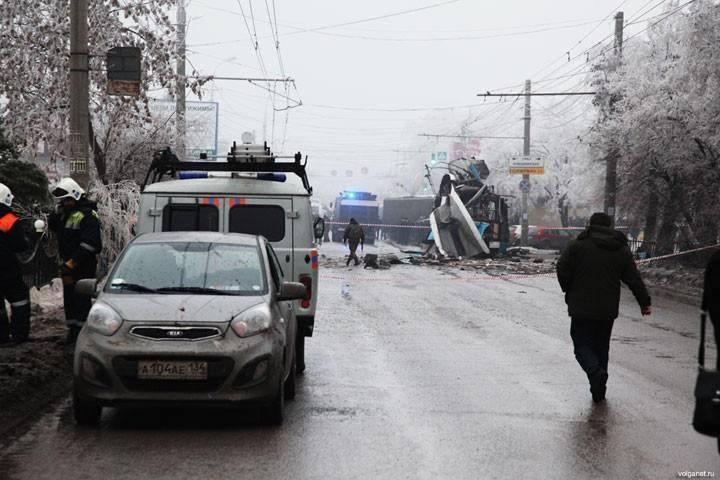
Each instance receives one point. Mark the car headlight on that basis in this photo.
(103, 319)
(252, 321)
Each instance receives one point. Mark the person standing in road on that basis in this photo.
(590, 271)
(77, 227)
(711, 302)
(711, 296)
(355, 235)
(12, 285)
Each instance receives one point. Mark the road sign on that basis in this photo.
(527, 165)
(436, 157)
(524, 186)
(124, 71)
(527, 170)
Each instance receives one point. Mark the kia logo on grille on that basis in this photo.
(175, 333)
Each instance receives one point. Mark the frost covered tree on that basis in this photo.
(34, 72)
(665, 127)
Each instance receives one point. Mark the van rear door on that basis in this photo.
(271, 217)
(187, 214)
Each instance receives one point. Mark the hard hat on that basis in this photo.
(67, 188)
(6, 196)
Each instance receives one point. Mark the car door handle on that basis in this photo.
(287, 258)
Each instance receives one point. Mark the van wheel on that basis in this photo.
(300, 352)
(273, 414)
(290, 383)
(86, 411)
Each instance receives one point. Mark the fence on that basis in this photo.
(642, 249)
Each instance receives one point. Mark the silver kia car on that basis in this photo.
(189, 318)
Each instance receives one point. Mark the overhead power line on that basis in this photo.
(372, 19)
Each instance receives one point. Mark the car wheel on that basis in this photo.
(300, 352)
(274, 413)
(86, 411)
(290, 383)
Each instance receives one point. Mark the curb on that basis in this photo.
(58, 390)
(686, 298)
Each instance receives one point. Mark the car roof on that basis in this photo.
(199, 237)
(227, 186)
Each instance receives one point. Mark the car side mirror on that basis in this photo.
(292, 291)
(87, 287)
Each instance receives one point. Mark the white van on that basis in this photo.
(248, 195)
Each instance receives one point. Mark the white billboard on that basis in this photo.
(201, 124)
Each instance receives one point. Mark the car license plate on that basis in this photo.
(171, 370)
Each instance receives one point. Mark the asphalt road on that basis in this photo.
(422, 373)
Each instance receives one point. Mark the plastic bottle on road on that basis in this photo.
(345, 290)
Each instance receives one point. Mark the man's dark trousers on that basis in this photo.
(353, 252)
(17, 294)
(591, 339)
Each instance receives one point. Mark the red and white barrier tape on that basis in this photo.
(679, 254)
(383, 225)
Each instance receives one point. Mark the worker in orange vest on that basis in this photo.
(12, 285)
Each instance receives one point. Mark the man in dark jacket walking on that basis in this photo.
(590, 271)
(77, 227)
(355, 235)
(12, 285)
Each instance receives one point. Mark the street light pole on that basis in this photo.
(180, 82)
(79, 96)
(526, 178)
(613, 154)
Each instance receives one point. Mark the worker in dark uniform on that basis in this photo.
(12, 286)
(354, 235)
(77, 227)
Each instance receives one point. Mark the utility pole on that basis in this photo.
(613, 154)
(79, 96)
(526, 153)
(180, 82)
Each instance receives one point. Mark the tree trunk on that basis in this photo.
(651, 215)
(564, 210)
(672, 209)
(99, 156)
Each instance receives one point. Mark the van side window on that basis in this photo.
(178, 217)
(266, 220)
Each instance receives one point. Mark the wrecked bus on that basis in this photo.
(469, 219)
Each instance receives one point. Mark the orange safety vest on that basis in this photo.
(7, 222)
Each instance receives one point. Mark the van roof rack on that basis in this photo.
(243, 158)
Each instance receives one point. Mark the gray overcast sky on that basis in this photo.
(352, 78)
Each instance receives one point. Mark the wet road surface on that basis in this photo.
(422, 373)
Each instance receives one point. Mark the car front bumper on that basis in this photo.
(105, 369)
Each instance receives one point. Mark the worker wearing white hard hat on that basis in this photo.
(12, 286)
(77, 227)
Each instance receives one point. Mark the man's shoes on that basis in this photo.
(598, 386)
(348, 262)
(72, 336)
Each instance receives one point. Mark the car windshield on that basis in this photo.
(189, 268)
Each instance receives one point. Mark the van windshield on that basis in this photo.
(189, 267)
